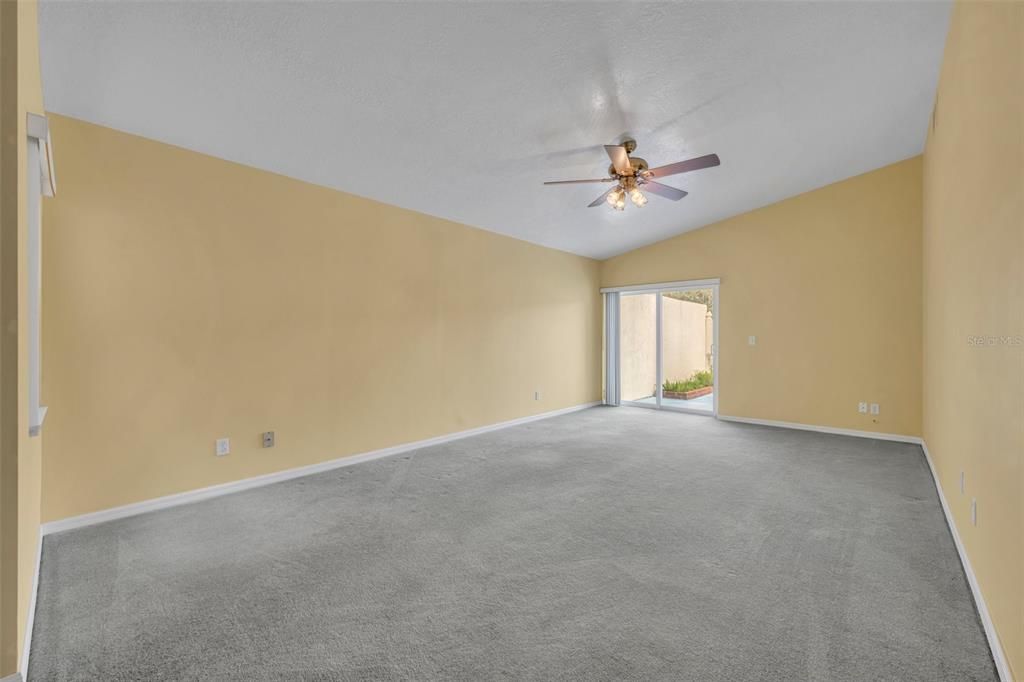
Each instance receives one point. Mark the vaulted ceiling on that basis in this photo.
(461, 110)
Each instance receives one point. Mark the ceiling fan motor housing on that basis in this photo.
(637, 164)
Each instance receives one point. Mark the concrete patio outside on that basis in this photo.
(705, 403)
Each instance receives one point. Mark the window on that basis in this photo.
(41, 182)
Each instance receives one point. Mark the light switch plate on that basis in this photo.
(874, 408)
(223, 446)
(752, 340)
(268, 439)
(862, 408)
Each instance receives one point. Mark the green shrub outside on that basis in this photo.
(700, 379)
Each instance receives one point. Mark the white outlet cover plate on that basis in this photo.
(223, 446)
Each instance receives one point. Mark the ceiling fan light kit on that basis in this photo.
(630, 174)
(617, 199)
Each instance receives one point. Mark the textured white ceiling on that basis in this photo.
(461, 110)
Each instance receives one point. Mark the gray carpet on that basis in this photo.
(607, 544)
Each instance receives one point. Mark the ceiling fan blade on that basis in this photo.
(707, 161)
(576, 182)
(600, 200)
(663, 190)
(620, 159)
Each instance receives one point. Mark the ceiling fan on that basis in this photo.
(631, 174)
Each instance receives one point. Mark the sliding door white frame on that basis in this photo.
(664, 286)
(613, 350)
(616, 357)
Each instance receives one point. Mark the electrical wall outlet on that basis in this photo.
(874, 408)
(862, 408)
(752, 340)
(223, 446)
(974, 511)
(268, 439)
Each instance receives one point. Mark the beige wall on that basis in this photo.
(20, 503)
(188, 298)
(685, 331)
(30, 449)
(830, 283)
(8, 341)
(974, 299)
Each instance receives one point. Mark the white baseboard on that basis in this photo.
(1002, 666)
(266, 479)
(877, 435)
(30, 619)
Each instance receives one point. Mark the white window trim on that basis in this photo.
(664, 286)
(41, 182)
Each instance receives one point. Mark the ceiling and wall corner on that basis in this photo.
(461, 110)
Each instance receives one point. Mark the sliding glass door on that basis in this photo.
(662, 346)
(638, 315)
(687, 349)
